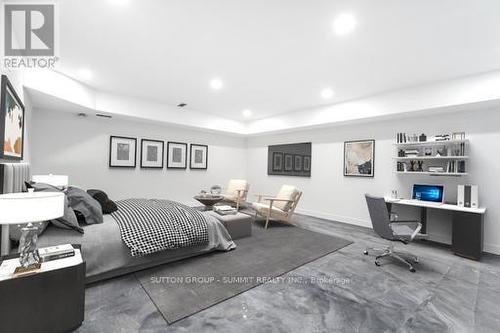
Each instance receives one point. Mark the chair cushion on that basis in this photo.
(287, 192)
(264, 207)
(233, 187)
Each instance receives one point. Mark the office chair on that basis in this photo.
(386, 225)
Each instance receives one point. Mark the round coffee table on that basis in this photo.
(208, 200)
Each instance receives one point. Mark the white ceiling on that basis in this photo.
(274, 56)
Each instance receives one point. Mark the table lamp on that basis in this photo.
(28, 207)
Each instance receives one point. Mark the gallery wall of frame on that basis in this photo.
(123, 154)
(12, 119)
(289, 160)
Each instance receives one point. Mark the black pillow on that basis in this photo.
(107, 205)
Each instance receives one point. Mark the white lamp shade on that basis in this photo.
(54, 180)
(16, 208)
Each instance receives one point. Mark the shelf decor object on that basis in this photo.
(28, 207)
(444, 155)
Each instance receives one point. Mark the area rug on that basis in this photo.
(184, 288)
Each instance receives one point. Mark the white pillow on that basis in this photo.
(287, 192)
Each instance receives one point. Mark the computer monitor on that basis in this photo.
(431, 193)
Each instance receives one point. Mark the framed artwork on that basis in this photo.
(306, 164)
(288, 162)
(122, 152)
(152, 154)
(11, 122)
(198, 157)
(289, 159)
(297, 162)
(176, 155)
(277, 161)
(359, 157)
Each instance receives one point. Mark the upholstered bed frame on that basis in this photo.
(12, 179)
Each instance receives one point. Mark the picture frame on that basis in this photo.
(122, 152)
(152, 154)
(307, 163)
(297, 162)
(288, 162)
(359, 158)
(198, 157)
(12, 122)
(177, 155)
(277, 161)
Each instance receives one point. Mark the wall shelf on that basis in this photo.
(431, 143)
(427, 173)
(431, 158)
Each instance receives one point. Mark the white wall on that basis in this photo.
(330, 195)
(63, 143)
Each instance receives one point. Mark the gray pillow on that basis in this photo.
(83, 203)
(68, 220)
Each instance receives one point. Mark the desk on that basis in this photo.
(467, 228)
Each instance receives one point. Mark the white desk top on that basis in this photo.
(8, 266)
(425, 204)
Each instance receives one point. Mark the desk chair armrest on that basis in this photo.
(405, 221)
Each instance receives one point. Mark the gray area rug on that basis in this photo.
(186, 287)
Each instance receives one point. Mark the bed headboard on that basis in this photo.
(12, 178)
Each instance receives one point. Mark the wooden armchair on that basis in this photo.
(236, 192)
(280, 207)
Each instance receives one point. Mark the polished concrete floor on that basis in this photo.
(341, 292)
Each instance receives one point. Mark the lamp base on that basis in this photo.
(28, 254)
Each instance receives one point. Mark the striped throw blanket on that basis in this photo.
(149, 225)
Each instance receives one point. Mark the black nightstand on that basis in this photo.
(51, 301)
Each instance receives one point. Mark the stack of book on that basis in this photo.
(411, 153)
(56, 252)
(225, 210)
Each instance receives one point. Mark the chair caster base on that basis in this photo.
(412, 270)
(365, 253)
(377, 263)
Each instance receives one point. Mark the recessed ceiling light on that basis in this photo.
(85, 74)
(247, 113)
(216, 84)
(344, 24)
(327, 93)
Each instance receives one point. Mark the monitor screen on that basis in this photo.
(432, 193)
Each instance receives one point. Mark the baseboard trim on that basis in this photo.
(488, 248)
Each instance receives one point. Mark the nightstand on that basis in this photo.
(51, 300)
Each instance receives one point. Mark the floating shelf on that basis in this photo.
(439, 174)
(431, 143)
(436, 158)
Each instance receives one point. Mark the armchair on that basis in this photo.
(236, 192)
(280, 207)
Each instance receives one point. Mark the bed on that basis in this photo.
(103, 248)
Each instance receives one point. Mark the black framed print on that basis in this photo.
(288, 162)
(122, 152)
(198, 157)
(152, 154)
(297, 162)
(306, 164)
(11, 122)
(359, 158)
(176, 155)
(289, 159)
(277, 161)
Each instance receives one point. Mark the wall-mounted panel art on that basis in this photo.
(11, 122)
(176, 155)
(198, 157)
(290, 160)
(151, 154)
(122, 152)
(359, 157)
